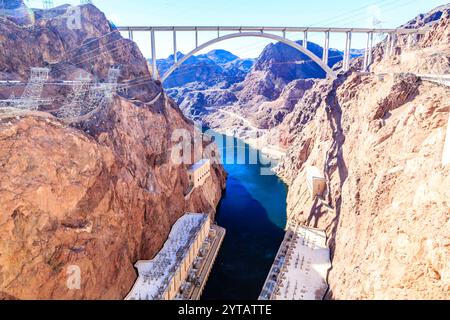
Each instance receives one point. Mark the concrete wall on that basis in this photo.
(198, 176)
(182, 272)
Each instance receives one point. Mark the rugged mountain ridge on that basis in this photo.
(263, 81)
(95, 196)
(215, 68)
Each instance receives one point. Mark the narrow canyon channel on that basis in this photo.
(253, 211)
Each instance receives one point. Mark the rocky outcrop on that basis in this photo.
(379, 141)
(429, 18)
(204, 81)
(92, 198)
(288, 63)
(215, 68)
(17, 11)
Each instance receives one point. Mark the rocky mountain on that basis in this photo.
(17, 11)
(279, 78)
(215, 68)
(378, 139)
(97, 195)
(429, 18)
(276, 67)
(288, 64)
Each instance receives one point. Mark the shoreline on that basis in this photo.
(270, 151)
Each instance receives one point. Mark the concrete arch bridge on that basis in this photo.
(276, 34)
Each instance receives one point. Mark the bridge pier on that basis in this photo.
(348, 45)
(326, 48)
(305, 39)
(370, 58)
(392, 45)
(130, 35)
(153, 45)
(388, 43)
(196, 38)
(412, 39)
(368, 52)
(175, 51)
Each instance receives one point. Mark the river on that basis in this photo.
(253, 212)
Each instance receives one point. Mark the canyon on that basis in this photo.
(379, 139)
(102, 193)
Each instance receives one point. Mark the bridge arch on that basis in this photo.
(330, 73)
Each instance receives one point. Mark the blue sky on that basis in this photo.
(348, 13)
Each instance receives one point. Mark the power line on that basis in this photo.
(346, 15)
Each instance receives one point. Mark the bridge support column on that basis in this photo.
(388, 44)
(446, 151)
(368, 52)
(153, 45)
(196, 38)
(326, 48)
(392, 44)
(348, 46)
(175, 51)
(370, 57)
(130, 35)
(412, 39)
(305, 39)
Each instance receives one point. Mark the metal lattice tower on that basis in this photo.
(100, 95)
(33, 90)
(3, 11)
(85, 1)
(110, 87)
(47, 4)
(74, 104)
(113, 74)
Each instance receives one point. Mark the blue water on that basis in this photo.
(253, 212)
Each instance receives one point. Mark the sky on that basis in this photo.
(282, 13)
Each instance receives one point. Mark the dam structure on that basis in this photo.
(180, 270)
(300, 269)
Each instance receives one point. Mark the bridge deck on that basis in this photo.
(271, 29)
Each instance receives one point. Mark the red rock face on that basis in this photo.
(95, 197)
(379, 140)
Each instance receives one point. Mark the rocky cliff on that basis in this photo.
(204, 81)
(96, 196)
(378, 138)
(215, 68)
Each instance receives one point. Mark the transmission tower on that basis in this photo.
(3, 13)
(113, 77)
(85, 1)
(96, 99)
(33, 90)
(73, 105)
(47, 4)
